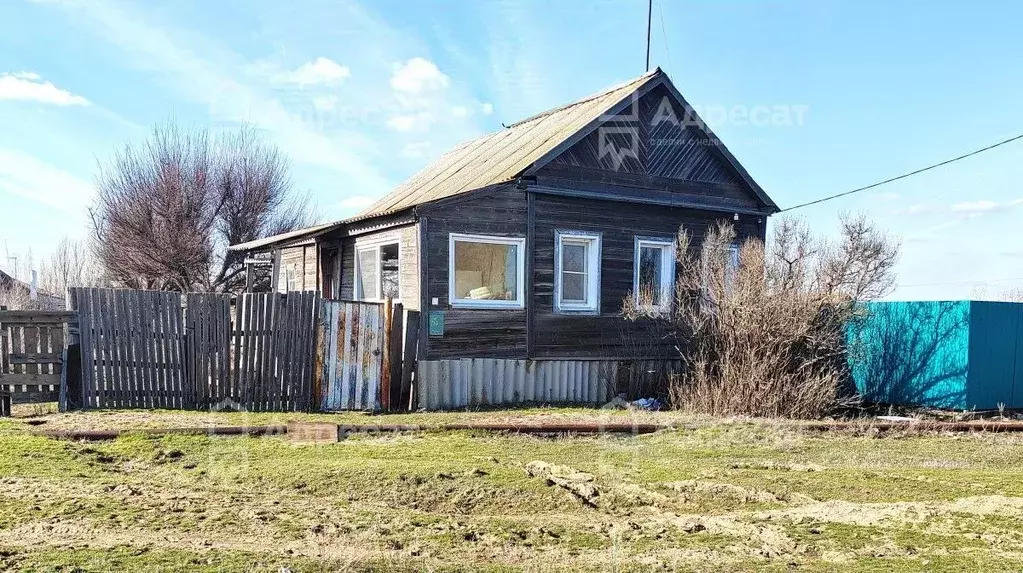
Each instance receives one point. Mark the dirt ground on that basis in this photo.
(710, 496)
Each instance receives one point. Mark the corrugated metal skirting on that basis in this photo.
(488, 381)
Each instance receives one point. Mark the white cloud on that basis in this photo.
(976, 207)
(418, 75)
(198, 69)
(416, 150)
(917, 209)
(325, 103)
(487, 108)
(356, 203)
(27, 176)
(965, 208)
(321, 71)
(29, 86)
(460, 111)
(410, 122)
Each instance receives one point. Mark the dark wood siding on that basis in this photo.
(608, 335)
(497, 333)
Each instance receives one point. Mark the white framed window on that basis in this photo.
(653, 276)
(486, 271)
(376, 271)
(576, 272)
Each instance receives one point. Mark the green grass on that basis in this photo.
(720, 497)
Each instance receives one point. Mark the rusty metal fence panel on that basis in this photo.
(354, 346)
(470, 382)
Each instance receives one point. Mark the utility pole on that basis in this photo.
(649, 18)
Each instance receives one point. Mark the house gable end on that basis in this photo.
(655, 139)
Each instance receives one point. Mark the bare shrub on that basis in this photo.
(167, 208)
(764, 332)
(15, 297)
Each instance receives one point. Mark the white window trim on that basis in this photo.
(520, 269)
(667, 271)
(374, 245)
(593, 257)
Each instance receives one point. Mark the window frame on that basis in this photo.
(374, 245)
(520, 271)
(593, 260)
(667, 271)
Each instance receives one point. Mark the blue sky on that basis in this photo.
(361, 95)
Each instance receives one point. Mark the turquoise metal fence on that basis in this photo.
(947, 354)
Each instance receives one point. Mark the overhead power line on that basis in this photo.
(905, 175)
(664, 35)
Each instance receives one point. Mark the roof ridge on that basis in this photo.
(588, 98)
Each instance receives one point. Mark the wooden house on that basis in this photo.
(523, 244)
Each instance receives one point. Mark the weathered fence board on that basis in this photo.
(31, 354)
(355, 343)
(144, 349)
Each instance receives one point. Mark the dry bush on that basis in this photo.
(765, 335)
(13, 297)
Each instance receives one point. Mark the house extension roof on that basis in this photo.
(505, 155)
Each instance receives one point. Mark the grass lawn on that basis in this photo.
(717, 496)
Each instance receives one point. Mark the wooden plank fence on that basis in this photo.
(32, 354)
(143, 349)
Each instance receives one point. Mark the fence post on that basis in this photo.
(385, 366)
(395, 340)
(409, 360)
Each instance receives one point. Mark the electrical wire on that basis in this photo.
(664, 34)
(905, 175)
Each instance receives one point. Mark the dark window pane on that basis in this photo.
(573, 257)
(650, 261)
(573, 287)
(389, 271)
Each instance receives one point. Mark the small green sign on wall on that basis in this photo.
(436, 323)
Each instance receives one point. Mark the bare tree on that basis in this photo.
(764, 335)
(1013, 295)
(167, 208)
(70, 265)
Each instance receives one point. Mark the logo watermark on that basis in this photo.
(669, 124)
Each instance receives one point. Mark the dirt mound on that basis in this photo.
(579, 484)
(845, 512)
(693, 488)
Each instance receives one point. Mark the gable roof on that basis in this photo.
(523, 147)
(519, 149)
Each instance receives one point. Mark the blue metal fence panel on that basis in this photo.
(912, 353)
(945, 354)
(993, 354)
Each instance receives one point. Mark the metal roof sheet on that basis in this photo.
(297, 234)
